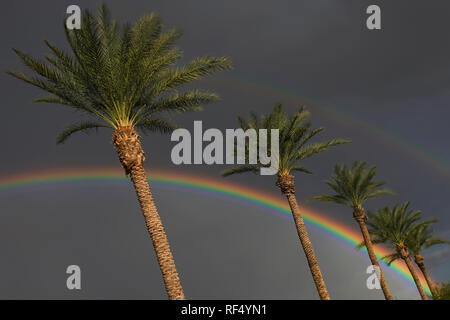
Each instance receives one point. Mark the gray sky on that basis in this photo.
(387, 90)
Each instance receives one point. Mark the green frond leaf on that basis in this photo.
(301, 169)
(240, 169)
(194, 70)
(315, 148)
(390, 258)
(379, 192)
(77, 127)
(360, 245)
(156, 125)
(329, 198)
(189, 101)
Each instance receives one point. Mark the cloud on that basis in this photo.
(438, 257)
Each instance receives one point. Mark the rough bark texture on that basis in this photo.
(131, 156)
(360, 217)
(286, 184)
(419, 261)
(404, 253)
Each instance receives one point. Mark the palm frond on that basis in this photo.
(188, 101)
(329, 198)
(360, 245)
(315, 148)
(379, 192)
(421, 237)
(78, 127)
(194, 70)
(240, 169)
(156, 125)
(390, 258)
(301, 169)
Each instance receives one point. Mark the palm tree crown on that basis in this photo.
(353, 185)
(396, 226)
(422, 238)
(123, 75)
(294, 139)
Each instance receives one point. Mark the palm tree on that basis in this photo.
(394, 226)
(294, 146)
(442, 291)
(353, 186)
(123, 77)
(420, 240)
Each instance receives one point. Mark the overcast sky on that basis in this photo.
(388, 90)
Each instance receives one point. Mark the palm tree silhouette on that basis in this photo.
(124, 77)
(420, 240)
(294, 146)
(395, 226)
(353, 186)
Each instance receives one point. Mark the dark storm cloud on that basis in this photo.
(410, 52)
(396, 78)
(439, 256)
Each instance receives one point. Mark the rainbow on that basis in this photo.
(217, 186)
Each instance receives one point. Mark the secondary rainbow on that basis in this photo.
(183, 180)
(273, 91)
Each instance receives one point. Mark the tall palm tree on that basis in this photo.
(394, 226)
(294, 146)
(123, 77)
(420, 240)
(353, 186)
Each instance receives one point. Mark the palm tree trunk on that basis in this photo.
(419, 261)
(127, 144)
(157, 233)
(359, 216)
(286, 184)
(403, 251)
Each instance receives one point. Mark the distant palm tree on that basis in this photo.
(395, 226)
(294, 146)
(420, 240)
(353, 186)
(442, 291)
(125, 77)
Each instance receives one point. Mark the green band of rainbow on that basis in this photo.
(227, 188)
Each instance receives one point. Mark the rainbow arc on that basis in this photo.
(215, 186)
